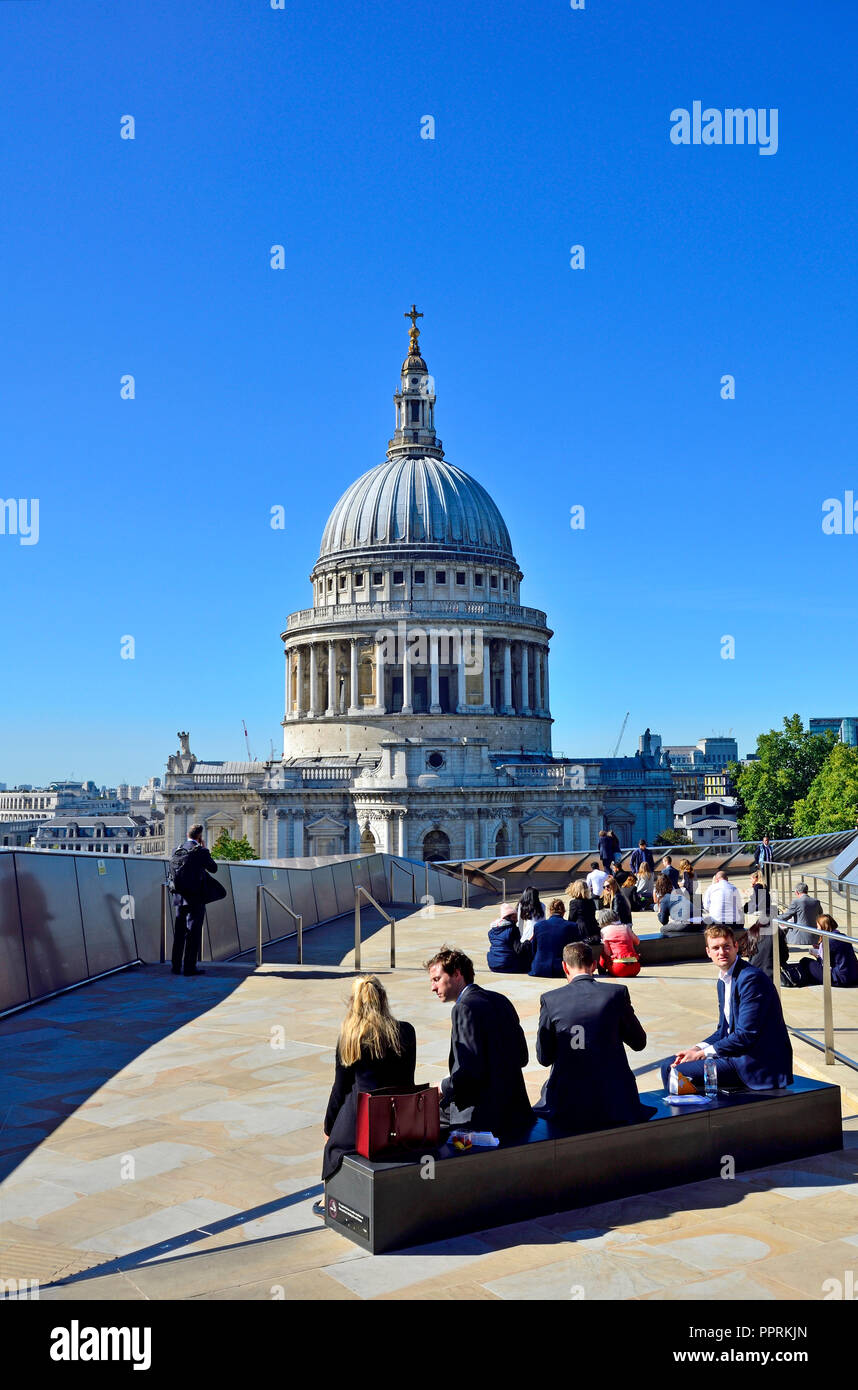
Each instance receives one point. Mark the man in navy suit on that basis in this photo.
(751, 1046)
(584, 1029)
(485, 1089)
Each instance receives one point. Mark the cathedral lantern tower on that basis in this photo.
(416, 629)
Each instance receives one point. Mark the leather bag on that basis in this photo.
(392, 1120)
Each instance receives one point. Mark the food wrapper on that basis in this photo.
(679, 1084)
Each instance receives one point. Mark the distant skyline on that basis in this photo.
(707, 518)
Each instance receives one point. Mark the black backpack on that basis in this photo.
(180, 877)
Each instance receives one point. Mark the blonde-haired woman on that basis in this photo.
(374, 1051)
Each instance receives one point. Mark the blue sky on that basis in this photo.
(555, 387)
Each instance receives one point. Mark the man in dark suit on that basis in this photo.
(666, 868)
(485, 1089)
(582, 1029)
(606, 849)
(190, 901)
(751, 1046)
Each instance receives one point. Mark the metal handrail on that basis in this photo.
(359, 892)
(827, 1003)
(261, 890)
(405, 870)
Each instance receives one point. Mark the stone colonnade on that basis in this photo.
(507, 686)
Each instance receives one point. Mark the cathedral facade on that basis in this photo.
(417, 712)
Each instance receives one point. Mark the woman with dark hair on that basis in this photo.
(530, 910)
(686, 878)
(374, 1051)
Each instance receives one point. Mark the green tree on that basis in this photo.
(788, 762)
(671, 836)
(225, 847)
(832, 800)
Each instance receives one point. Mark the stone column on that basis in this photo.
(486, 648)
(469, 836)
(380, 705)
(314, 679)
(332, 680)
(507, 678)
(525, 680)
(354, 707)
(299, 682)
(297, 834)
(400, 845)
(434, 698)
(281, 849)
(547, 701)
(461, 702)
(568, 828)
(538, 706)
(354, 836)
(407, 707)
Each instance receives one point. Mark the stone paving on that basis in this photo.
(161, 1138)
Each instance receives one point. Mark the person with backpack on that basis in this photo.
(188, 881)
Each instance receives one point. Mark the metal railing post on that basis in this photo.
(464, 888)
(848, 909)
(259, 891)
(830, 900)
(827, 1003)
(164, 919)
(776, 956)
(426, 867)
(357, 928)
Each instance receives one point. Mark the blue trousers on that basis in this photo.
(728, 1077)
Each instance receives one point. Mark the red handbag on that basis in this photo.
(390, 1120)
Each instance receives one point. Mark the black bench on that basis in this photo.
(665, 950)
(388, 1206)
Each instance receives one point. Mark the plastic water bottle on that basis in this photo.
(710, 1077)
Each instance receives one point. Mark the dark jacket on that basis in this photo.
(507, 952)
(622, 907)
(760, 902)
(550, 936)
(485, 1089)
(804, 911)
(641, 856)
(581, 913)
(844, 965)
(763, 957)
(672, 873)
(755, 1040)
(606, 848)
(197, 866)
(368, 1074)
(582, 1029)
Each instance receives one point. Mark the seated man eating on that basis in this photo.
(751, 1046)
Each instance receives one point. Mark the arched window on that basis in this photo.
(501, 843)
(436, 846)
(367, 842)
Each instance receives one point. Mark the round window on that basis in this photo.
(435, 760)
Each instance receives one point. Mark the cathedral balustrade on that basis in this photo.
(414, 609)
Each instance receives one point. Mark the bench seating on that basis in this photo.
(388, 1206)
(666, 950)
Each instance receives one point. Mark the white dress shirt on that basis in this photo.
(726, 978)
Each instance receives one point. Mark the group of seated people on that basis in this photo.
(590, 1086)
(524, 939)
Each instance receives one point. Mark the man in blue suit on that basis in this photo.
(751, 1046)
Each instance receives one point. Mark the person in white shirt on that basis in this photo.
(596, 880)
(722, 902)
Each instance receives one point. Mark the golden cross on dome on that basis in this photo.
(414, 332)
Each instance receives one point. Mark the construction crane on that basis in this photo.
(622, 731)
(247, 741)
